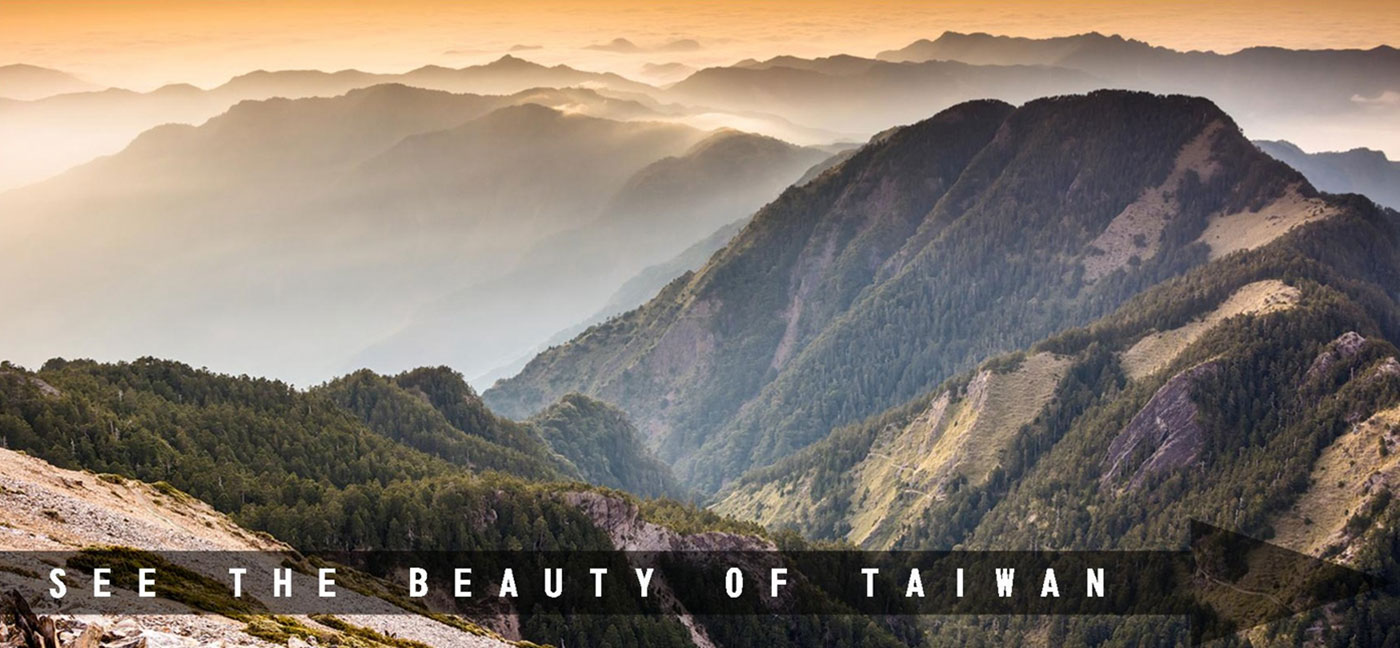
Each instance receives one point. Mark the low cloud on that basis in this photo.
(624, 46)
(1387, 99)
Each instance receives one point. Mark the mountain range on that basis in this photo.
(655, 215)
(373, 228)
(1210, 338)
(903, 266)
(30, 82)
(58, 122)
(1363, 171)
(256, 223)
(1321, 95)
(53, 133)
(1074, 323)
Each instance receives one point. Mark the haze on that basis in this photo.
(301, 189)
(146, 43)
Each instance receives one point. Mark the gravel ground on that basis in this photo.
(43, 508)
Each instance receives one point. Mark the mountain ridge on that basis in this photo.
(748, 412)
(109, 119)
(25, 82)
(210, 212)
(1360, 170)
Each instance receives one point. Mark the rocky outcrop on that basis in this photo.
(1165, 428)
(1341, 349)
(629, 532)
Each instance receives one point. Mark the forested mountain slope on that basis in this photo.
(360, 464)
(1236, 379)
(433, 410)
(982, 229)
(598, 439)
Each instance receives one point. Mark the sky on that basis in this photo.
(141, 44)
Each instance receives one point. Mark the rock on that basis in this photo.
(152, 639)
(296, 642)
(1388, 367)
(124, 629)
(90, 637)
(1167, 424)
(1342, 348)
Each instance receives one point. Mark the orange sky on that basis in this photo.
(144, 43)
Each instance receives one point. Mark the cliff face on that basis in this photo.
(629, 532)
(1165, 430)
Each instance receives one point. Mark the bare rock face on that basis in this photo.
(1388, 367)
(1166, 425)
(1341, 349)
(629, 532)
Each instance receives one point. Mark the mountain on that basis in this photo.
(294, 464)
(30, 82)
(601, 442)
(433, 410)
(619, 45)
(666, 72)
(1335, 75)
(858, 97)
(56, 133)
(285, 235)
(839, 65)
(1260, 390)
(632, 293)
(1348, 99)
(1211, 339)
(1083, 50)
(663, 208)
(648, 281)
(982, 229)
(319, 476)
(1363, 171)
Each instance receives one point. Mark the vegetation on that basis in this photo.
(1267, 410)
(435, 411)
(598, 439)
(944, 244)
(842, 313)
(314, 474)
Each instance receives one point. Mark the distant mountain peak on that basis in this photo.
(1359, 170)
(619, 45)
(29, 82)
(26, 67)
(512, 62)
